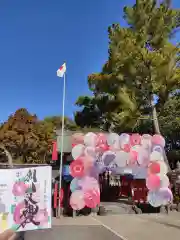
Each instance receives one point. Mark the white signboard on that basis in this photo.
(25, 198)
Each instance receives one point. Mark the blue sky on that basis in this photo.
(36, 36)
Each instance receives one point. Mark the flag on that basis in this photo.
(54, 152)
(61, 71)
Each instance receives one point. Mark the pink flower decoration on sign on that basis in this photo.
(19, 188)
(18, 219)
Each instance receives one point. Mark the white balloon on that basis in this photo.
(90, 151)
(154, 199)
(124, 139)
(113, 140)
(165, 195)
(164, 181)
(143, 157)
(90, 139)
(146, 141)
(156, 156)
(77, 151)
(122, 158)
(163, 168)
(161, 197)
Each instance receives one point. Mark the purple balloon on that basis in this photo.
(108, 157)
(157, 148)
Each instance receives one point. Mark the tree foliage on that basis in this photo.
(29, 139)
(142, 66)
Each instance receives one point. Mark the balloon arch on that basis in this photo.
(140, 155)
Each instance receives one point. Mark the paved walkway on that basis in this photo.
(114, 227)
(143, 227)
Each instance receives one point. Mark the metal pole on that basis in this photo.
(62, 143)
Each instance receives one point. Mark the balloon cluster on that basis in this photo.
(84, 186)
(95, 153)
(157, 181)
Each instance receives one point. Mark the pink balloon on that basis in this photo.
(103, 147)
(87, 183)
(126, 148)
(153, 182)
(101, 139)
(92, 198)
(77, 200)
(135, 139)
(134, 153)
(77, 168)
(77, 138)
(158, 140)
(88, 162)
(154, 168)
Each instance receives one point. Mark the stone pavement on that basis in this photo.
(114, 227)
(145, 226)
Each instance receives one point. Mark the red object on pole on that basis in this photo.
(54, 152)
(55, 195)
(61, 196)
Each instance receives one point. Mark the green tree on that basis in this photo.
(142, 62)
(93, 113)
